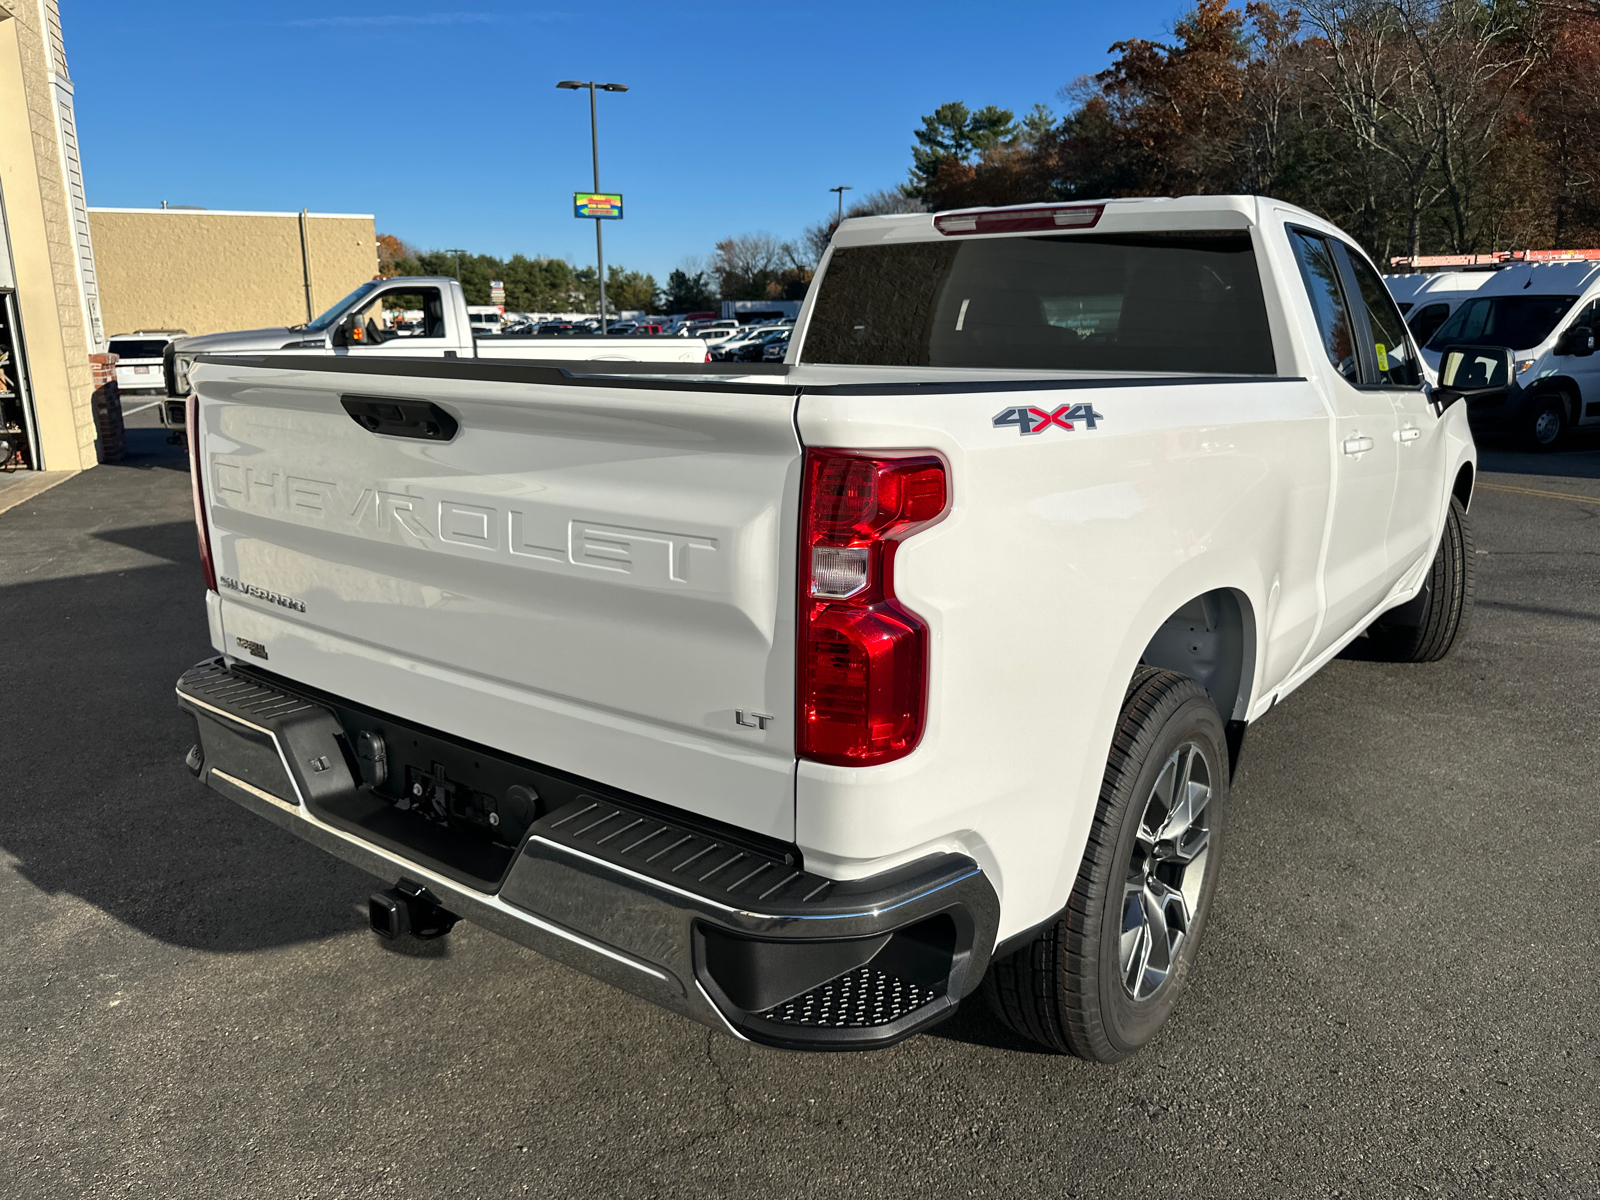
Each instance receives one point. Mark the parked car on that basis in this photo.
(728, 347)
(775, 347)
(752, 349)
(139, 358)
(808, 705)
(714, 337)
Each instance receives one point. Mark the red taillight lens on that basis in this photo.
(1020, 220)
(862, 677)
(202, 527)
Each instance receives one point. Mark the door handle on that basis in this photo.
(1355, 446)
(1409, 434)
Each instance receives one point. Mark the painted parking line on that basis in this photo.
(128, 412)
(1521, 491)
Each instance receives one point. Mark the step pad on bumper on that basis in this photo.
(862, 999)
(672, 852)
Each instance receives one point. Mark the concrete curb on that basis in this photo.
(27, 489)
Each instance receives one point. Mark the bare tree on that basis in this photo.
(1422, 86)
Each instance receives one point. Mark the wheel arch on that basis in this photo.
(1211, 638)
(1561, 385)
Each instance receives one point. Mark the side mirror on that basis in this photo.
(1577, 342)
(1469, 371)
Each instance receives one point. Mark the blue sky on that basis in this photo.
(445, 121)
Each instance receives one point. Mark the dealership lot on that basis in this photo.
(1395, 997)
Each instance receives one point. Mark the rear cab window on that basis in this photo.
(130, 348)
(1184, 302)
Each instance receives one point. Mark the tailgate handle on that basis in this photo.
(401, 418)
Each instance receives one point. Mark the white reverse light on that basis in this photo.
(838, 571)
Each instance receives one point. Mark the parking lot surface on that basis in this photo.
(1397, 995)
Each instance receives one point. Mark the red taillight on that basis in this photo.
(202, 527)
(1019, 220)
(862, 676)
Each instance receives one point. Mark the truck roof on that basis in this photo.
(1126, 214)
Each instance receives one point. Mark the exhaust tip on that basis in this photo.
(195, 760)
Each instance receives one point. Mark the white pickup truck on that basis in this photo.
(449, 328)
(805, 700)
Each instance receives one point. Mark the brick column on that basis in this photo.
(113, 442)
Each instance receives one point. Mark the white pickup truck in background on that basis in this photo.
(806, 699)
(355, 327)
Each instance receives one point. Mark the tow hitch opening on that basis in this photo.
(409, 908)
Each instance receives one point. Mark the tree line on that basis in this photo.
(1420, 126)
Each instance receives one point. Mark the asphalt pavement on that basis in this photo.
(1397, 996)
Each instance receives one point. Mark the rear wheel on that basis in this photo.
(1427, 628)
(1103, 979)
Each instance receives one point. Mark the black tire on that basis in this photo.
(1426, 629)
(1544, 422)
(1066, 989)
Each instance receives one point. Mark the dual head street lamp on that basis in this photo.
(594, 137)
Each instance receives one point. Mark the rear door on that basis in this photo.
(594, 575)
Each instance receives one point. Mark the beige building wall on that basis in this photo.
(46, 252)
(203, 272)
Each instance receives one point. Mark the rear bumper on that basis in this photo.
(704, 921)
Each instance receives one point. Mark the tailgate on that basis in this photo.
(594, 575)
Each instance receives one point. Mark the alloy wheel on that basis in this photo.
(1166, 872)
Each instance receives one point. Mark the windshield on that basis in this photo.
(1179, 302)
(339, 309)
(1520, 322)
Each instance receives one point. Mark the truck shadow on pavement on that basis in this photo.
(1579, 460)
(97, 803)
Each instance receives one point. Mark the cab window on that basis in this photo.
(1391, 348)
(1426, 321)
(1320, 273)
(380, 316)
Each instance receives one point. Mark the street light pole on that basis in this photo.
(594, 139)
(841, 190)
(458, 254)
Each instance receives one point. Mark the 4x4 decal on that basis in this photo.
(1036, 420)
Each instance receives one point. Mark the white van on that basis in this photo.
(485, 319)
(1426, 301)
(1549, 315)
